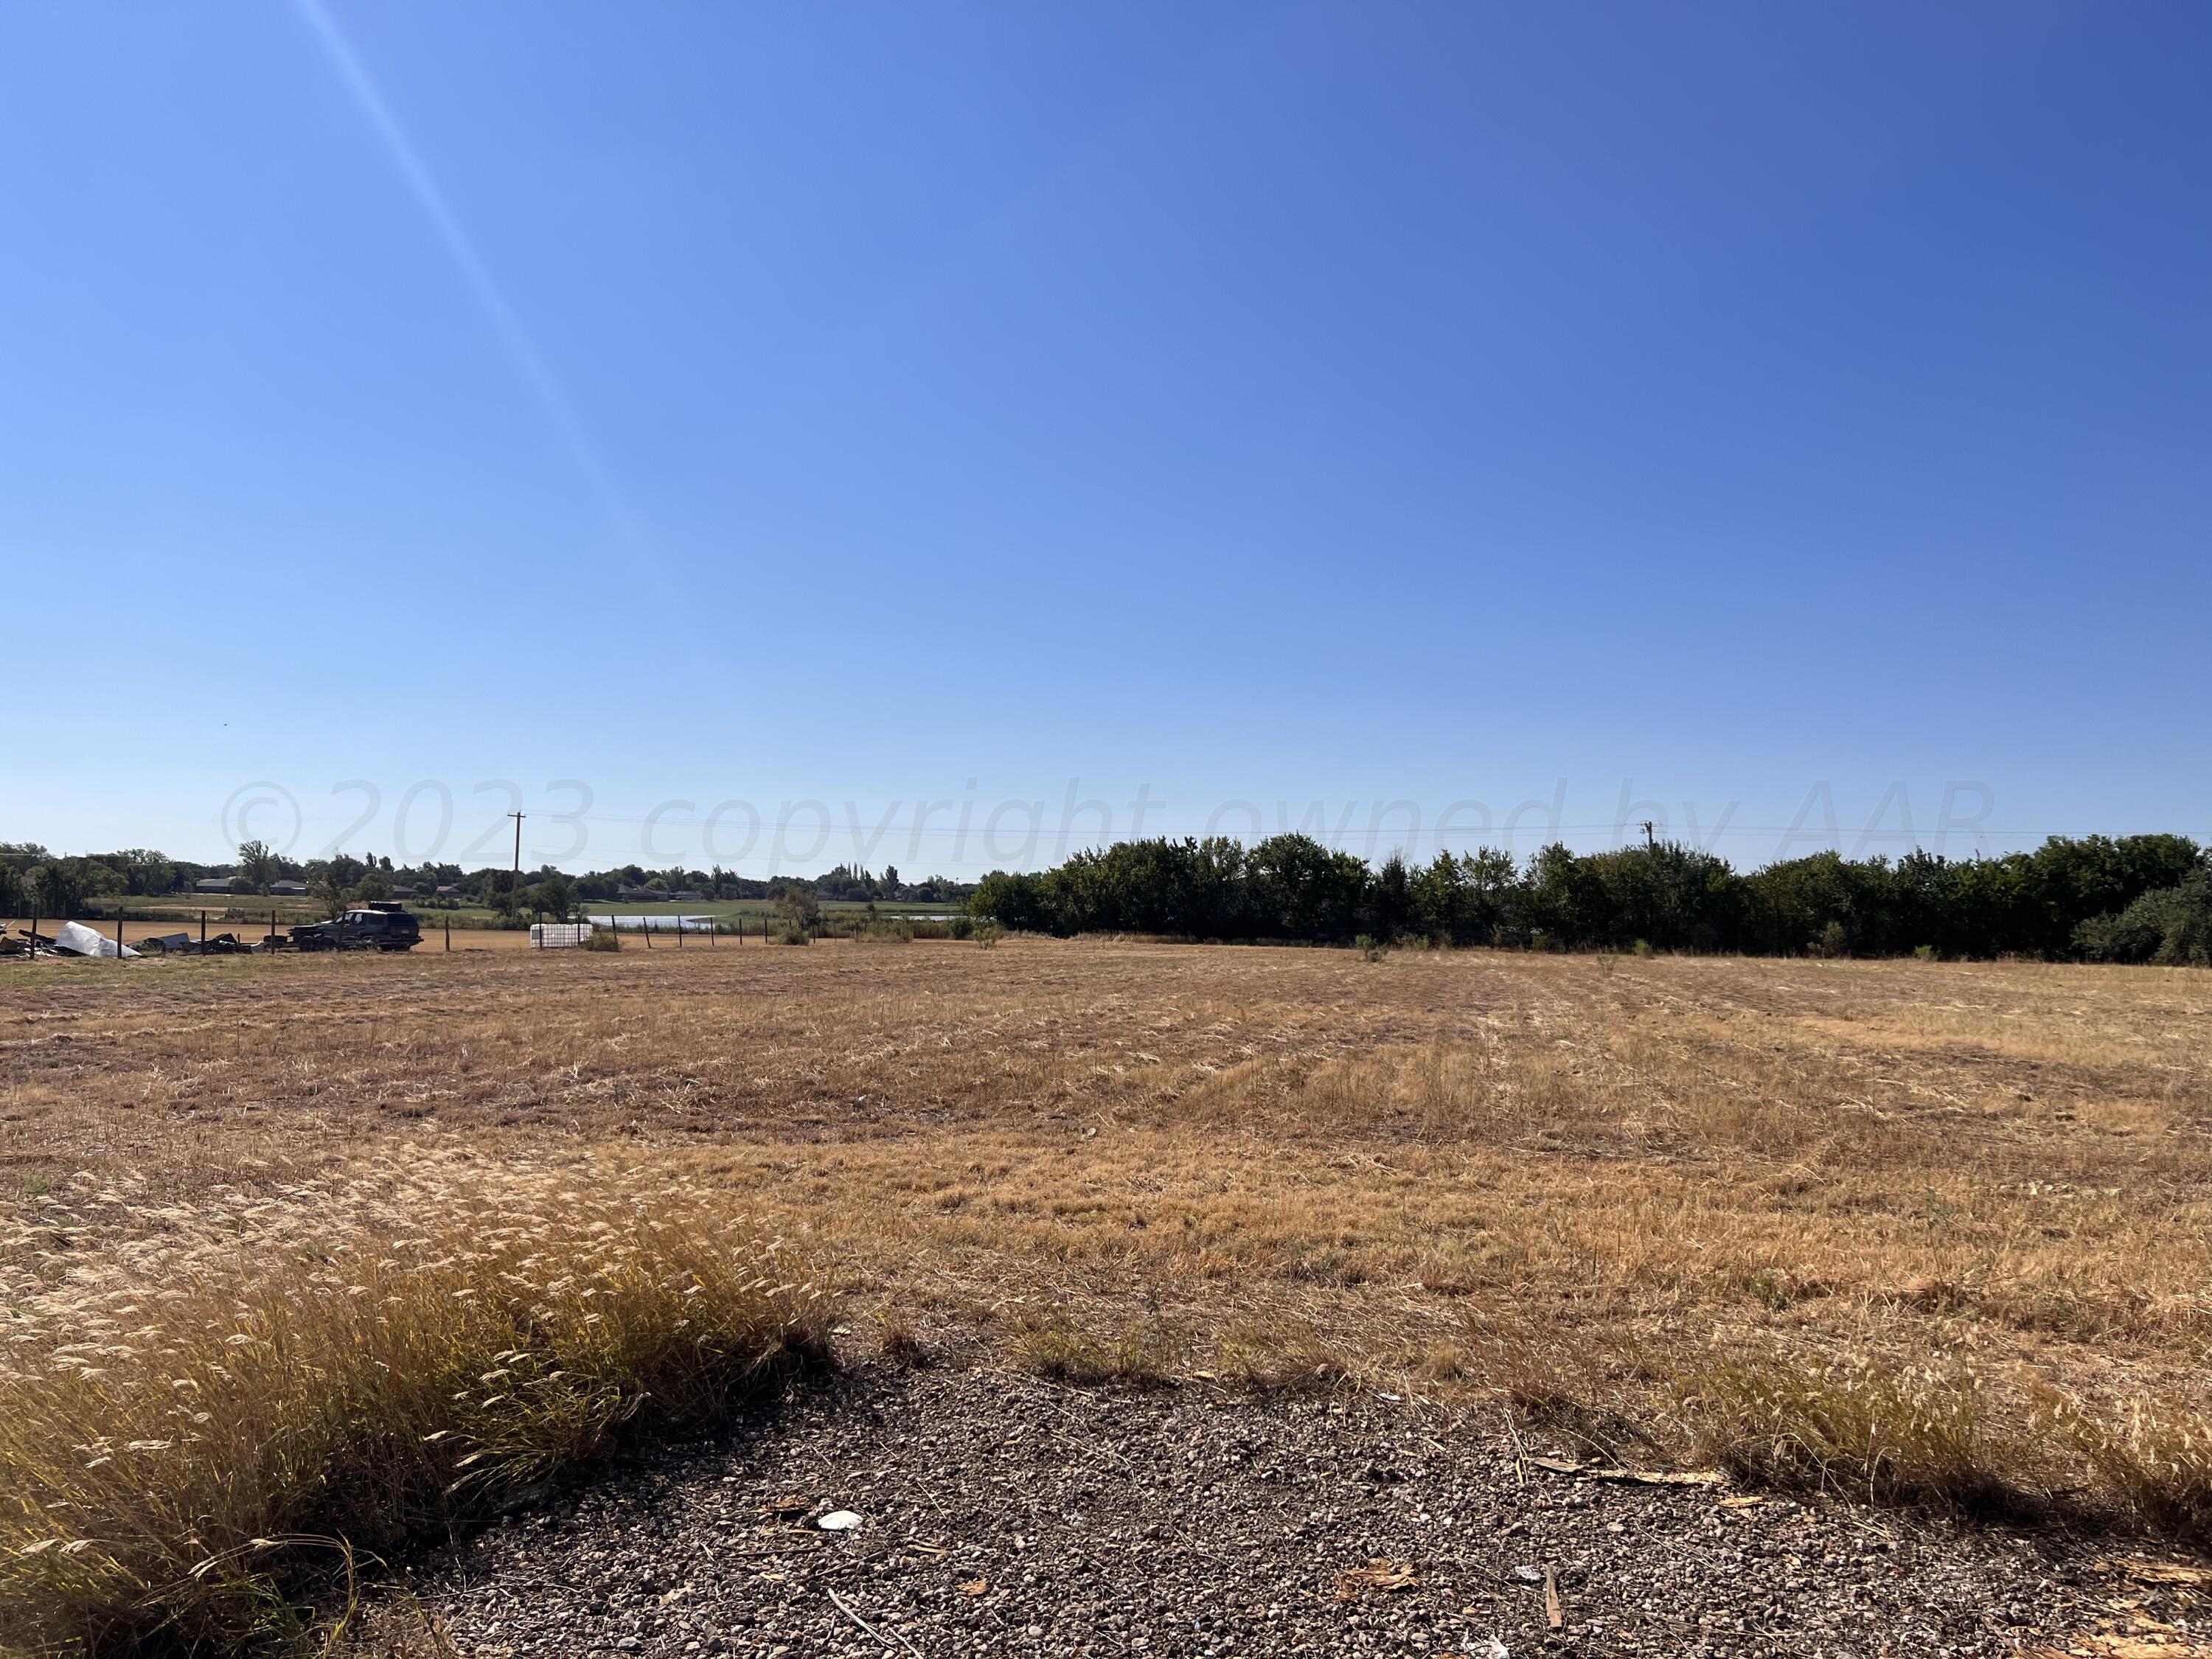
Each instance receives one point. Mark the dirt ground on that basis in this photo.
(999, 1514)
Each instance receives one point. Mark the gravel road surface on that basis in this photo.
(1001, 1514)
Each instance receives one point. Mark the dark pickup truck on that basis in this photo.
(371, 927)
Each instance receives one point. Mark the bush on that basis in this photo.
(2172, 926)
(791, 933)
(602, 938)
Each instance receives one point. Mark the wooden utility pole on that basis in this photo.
(516, 887)
(1650, 836)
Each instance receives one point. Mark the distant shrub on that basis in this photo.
(1371, 949)
(962, 927)
(988, 933)
(602, 938)
(2170, 925)
(791, 933)
(1926, 953)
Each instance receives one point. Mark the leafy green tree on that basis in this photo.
(2170, 925)
(329, 894)
(257, 865)
(61, 887)
(554, 895)
(1013, 899)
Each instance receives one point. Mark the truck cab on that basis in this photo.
(372, 927)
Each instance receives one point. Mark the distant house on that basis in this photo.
(405, 893)
(685, 896)
(630, 895)
(213, 883)
(451, 889)
(288, 888)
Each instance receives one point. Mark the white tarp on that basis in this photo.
(81, 940)
(559, 935)
(656, 924)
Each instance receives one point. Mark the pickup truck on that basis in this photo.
(370, 927)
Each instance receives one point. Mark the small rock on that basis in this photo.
(839, 1521)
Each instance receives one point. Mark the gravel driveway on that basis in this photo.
(1001, 1514)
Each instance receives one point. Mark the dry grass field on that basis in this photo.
(1910, 1230)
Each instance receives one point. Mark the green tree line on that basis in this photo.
(2131, 898)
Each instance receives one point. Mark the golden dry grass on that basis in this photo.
(240, 1389)
(1646, 1196)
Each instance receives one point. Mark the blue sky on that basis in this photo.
(1781, 415)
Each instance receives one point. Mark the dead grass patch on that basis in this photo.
(256, 1392)
(1145, 1353)
(2155, 1453)
(1877, 1433)
(1538, 1180)
(1275, 1357)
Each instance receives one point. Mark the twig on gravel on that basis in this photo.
(1520, 1451)
(845, 1608)
(1091, 1449)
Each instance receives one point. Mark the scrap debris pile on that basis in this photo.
(74, 938)
(372, 926)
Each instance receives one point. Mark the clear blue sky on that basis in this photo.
(1274, 404)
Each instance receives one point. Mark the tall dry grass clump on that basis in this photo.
(254, 1392)
(2156, 1454)
(1881, 1433)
